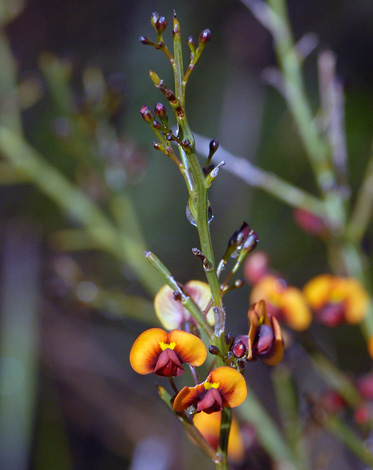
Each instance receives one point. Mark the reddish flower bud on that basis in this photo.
(213, 147)
(205, 36)
(214, 350)
(146, 41)
(191, 42)
(161, 24)
(147, 114)
(161, 110)
(239, 346)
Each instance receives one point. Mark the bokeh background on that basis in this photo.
(68, 396)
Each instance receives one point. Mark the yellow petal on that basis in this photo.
(188, 347)
(318, 289)
(356, 302)
(146, 349)
(295, 309)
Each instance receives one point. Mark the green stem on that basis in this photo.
(268, 432)
(225, 426)
(288, 408)
(363, 209)
(186, 301)
(189, 427)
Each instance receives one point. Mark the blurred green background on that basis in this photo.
(68, 396)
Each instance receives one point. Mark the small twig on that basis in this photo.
(269, 182)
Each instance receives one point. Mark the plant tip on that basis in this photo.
(205, 36)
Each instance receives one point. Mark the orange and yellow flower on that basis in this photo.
(336, 299)
(172, 314)
(224, 387)
(265, 338)
(209, 426)
(163, 353)
(284, 302)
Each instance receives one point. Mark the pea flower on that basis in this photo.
(163, 353)
(264, 339)
(336, 299)
(224, 387)
(172, 314)
(209, 426)
(284, 302)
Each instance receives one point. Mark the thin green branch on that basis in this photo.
(268, 182)
(362, 212)
(268, 432)
(189, 427)
(30, 164)
(186, 301)
(288, 408)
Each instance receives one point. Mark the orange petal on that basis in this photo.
(187, 397)
(295, 309)
(356, 302)
(318, 289)
(277, 351)
(201, 295)
(209, 426)
(269, 288)
(232, 385)
(170, 312)
(146, 349)
(188, 347)
(256, 311)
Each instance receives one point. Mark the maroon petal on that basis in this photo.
(211, 402)
(168, 364)
(265, 340)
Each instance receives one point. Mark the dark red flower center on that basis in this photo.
(168, 364)
(211, 401)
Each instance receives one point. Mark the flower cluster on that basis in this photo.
(156, 351)
(329, 299)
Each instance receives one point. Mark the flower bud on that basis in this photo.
(154, 18)
(161, 24)
(191, 43)
(161, 110)
(205, 36)
(147, 114)
(214, 350)
(213, 147)
(239, 346)
(146, 41)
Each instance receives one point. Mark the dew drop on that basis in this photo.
(192, 219)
